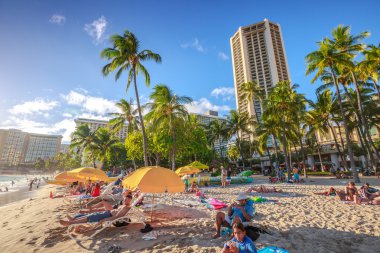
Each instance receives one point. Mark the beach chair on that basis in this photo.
(83, 201)
(134, 215)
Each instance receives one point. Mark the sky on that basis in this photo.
(50, 65)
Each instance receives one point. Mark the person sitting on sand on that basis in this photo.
(349, 192)
(193, 187)
(330, 192)
(263, 189)
(241, 211)
(240, 242)
(101, 217)
(364, 192)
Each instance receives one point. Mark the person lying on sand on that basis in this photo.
(330, 192)
(100, 217)
(240, 242)
(263, 189)
(240, 211)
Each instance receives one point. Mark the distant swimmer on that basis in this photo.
(13, 182)
(6, 188)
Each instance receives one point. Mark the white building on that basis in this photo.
(95, 124)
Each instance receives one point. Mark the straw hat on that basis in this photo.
(242, 196)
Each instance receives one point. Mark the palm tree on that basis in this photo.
(282, 105)
(127, 114)
(238, 124)
(322, 112)
(252, 92)
(104, 144)
(83, 139)
(165, 110)
(216, 132)
(125, 56)
(370, 66)
(328, 57)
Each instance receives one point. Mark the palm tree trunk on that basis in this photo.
(174, 147)
(341, 139)
(303, 156)
(284, 144)
(366, 148)
(319, 151)
(337, 145)
(376, 88)
(270, 160)
(342, 112)
(364, 122)
(275, 150)
(145, 143)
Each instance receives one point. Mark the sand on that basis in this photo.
(299, 222)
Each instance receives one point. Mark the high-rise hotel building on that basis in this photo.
(258, 54)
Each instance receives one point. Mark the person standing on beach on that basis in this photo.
(31, 185)
(223, 176)
(12, 182)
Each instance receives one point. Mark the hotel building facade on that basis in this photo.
(18, 147)
(258, 55)
(94, 124)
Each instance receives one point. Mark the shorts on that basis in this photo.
(296, 176)
(96, 217)
(229, 221)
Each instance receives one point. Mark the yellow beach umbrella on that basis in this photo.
(89, 174)
(65, 177)
(187, 170)
(198, 165)
(154, 179)
(57, 182)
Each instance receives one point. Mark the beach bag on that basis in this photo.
(252, 232)
(272, 249)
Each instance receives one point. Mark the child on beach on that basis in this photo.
(241, 243)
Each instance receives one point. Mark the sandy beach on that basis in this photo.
(299, 222)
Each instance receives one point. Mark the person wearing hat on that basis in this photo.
(241, 210)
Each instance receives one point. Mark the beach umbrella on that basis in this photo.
(187, 170)
(89, 174)
(68, 178)
(198, 165)
(154, 179)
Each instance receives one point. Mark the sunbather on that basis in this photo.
(330, 192)
(241, 242)
(100, 217)
(263, 189)
(236, 212)
(105, 205)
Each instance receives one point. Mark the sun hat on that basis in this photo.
(221, 167)
(242, 196)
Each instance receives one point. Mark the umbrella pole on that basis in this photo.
(151, 210)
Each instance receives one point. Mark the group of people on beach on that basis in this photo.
(351, 194)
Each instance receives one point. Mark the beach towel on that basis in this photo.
(216, 203)
(272, 249)
(260, 199)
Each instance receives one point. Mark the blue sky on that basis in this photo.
(50, 69)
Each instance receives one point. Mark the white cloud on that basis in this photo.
(96, 29)
(225, 92)
(57, 19)
(90, 104)
(38, 106)
(194, 44)
(202, 105)
(67, 115)
(223, 56)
